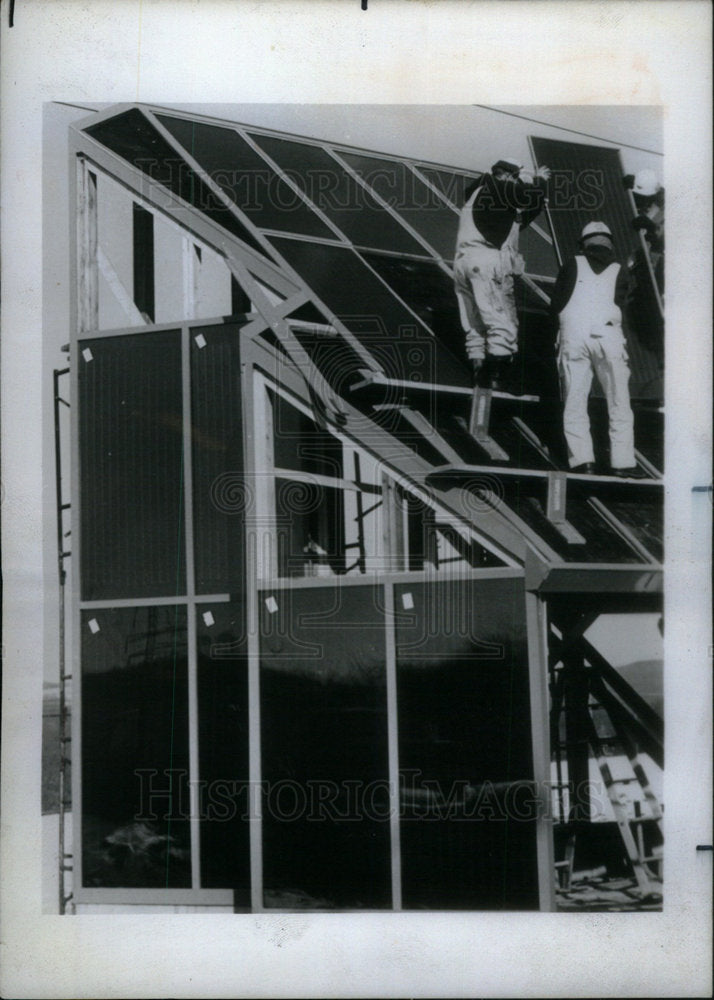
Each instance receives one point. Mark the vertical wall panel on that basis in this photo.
(324, 749)
(135, 748)
(223, 748)
(131, 470)
(468, 813)
(221, 494)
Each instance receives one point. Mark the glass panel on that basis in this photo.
(538, 253)
(131, 136)
(310, 528)
(451, 184)
(643, 516)
(326, 842)
(220, 492)
(467, 807)
(527, 499)
(298, 443)
(427, 290)
(339, 196)
(135, 823)
(246, 178)
(383, 325)
(131, 466)
(223, 748)
(415, 202)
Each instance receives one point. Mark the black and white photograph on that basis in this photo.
(361, 458)
(361, 538)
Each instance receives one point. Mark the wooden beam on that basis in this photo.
(88, 277)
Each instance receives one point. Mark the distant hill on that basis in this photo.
(647, 678)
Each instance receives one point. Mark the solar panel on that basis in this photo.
(336, 193)
(538, 253)
(451, 184)
(429, 291)
(414, 201)
(132, 524)
(355, 295)
(248, 180)
(131, 136)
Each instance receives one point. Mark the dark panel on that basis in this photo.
(468, 818)
(358, 298)
(527, 499)
(415, 202)
(246, 178)
(223, 748)
(427, 290)
(326, 838)
(131, 466)
(587, 185)
(135, 811)
(644, 519)
(240, 301)
(538, 253)
(345, 202)
(451, 184)
(131, 136)
(298, 443)
(221, 495)
(143, 222)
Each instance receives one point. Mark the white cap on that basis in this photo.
(646, 183)
(595, 229)
(508, 163)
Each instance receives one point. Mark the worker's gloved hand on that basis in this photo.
(543, 172)
(641, 222)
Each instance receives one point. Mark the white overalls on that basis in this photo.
(483, 278)
(591, 339)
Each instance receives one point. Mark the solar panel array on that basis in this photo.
(370, 238)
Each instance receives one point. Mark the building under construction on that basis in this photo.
(327, 603)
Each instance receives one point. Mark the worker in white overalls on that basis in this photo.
(588, 299)
(497, 207)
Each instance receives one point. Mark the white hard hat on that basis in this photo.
(509, 163)
(595, 229)
(646, 183)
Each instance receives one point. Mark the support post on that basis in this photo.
(88, 297)
(537, 627)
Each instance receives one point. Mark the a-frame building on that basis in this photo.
(329, 623)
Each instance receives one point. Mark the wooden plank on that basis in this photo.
(556, 507)
(479, 424)
(370, 379)
(427, 430)
(393, 533)
(88, 290)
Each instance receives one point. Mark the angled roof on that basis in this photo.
(366, 240)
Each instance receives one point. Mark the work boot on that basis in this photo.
(476, 370)
(501, 375)
(584, 469)
(631, 472)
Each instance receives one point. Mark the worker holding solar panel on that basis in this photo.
(588, 301)
(487, 259)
